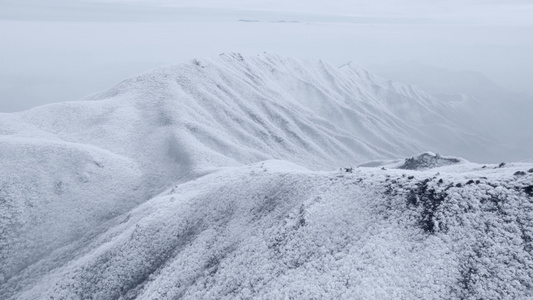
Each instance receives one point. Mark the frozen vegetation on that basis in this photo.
(237, 178)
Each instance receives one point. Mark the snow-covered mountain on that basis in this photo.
(207, 180)
(500, 112)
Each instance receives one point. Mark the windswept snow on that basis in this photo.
(212, 180)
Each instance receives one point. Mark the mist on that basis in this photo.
(65, 50)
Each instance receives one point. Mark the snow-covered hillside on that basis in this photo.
(207, 180)
(274, 230)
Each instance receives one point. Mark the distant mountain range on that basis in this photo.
(501, 111)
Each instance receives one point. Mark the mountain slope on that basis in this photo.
(73, 172)
(276, 231)
(241, 109)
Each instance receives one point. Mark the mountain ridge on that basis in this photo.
(79, 177)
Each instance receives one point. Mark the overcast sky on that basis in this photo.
(59, 50)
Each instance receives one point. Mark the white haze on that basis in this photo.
(63, 50)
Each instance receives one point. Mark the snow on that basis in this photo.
(213, 180)
(274, 231)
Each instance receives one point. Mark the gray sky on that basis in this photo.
(59, 50)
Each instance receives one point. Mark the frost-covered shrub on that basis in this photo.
(429, 199)
(428, 160)
(487, 222)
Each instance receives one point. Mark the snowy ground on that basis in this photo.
(274, 230)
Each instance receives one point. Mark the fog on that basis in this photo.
(64, 50)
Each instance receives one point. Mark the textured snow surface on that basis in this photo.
(247, 108)
(275, 231)
(212, 180)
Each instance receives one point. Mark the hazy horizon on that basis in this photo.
(64, 50)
